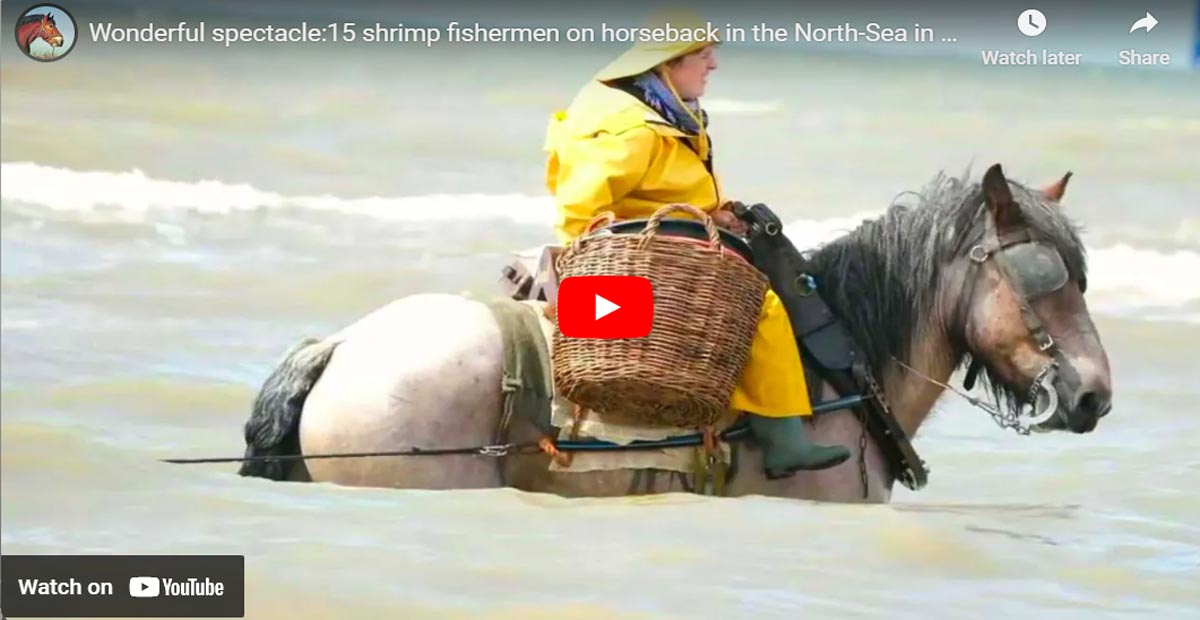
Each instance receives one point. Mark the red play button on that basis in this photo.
(605, 307)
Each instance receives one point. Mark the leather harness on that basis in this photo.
(993, 246)
(825, 340)
(844, 364)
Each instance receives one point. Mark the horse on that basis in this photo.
(38, 26)
(912, 286)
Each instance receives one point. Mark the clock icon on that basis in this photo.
(1031, 22)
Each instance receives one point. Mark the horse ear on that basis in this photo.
(996, 193)
(1056, 190)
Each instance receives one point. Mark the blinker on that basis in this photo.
(1038, 268)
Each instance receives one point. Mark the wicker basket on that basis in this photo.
(707, 301)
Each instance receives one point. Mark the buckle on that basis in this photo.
(978, 254)
(1047, 343)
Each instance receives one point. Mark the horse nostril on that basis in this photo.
(1093, 404)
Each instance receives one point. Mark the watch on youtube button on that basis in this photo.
(605, 307)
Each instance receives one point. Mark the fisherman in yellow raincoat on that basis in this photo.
(634, 140)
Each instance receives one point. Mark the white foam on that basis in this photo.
(1144, 283)
(132, 195)
(1123, 280)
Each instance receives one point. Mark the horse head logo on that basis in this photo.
(40, 35)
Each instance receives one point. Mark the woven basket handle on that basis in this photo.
(714, 237)
(604, 218)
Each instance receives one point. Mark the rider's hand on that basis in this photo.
(725, 218)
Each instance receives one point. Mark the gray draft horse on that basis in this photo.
(425, 370)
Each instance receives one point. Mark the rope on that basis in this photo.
(563, 448)
(971, 399)
(492, 450)
(546, 443)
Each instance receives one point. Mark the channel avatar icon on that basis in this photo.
(46, 32)
(605, 307)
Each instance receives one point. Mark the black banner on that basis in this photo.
(122, 586)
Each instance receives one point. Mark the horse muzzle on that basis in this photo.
(1079, 411)
(55, 41)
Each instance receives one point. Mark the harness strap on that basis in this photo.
(972, 374)
(1041, 335)
(526, 382)
(991, 247)
(822, 336)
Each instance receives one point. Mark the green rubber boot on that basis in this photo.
(787, 449)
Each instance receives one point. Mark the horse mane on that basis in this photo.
(36, 17)
(883, 278)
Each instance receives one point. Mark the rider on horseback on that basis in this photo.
(633, 140)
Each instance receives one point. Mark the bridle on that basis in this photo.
(1031, 269)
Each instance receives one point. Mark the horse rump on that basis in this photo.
(274, 425)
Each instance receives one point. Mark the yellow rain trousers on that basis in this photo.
(610, 152)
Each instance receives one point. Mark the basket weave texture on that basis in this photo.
(707, 301)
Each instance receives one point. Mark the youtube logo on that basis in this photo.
(143, 587)
(605, 307)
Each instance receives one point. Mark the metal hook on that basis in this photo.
(1045, 384)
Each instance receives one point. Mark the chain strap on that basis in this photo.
(1003, 419)
(862, 452)
(877, 393)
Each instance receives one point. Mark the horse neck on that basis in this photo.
(28, 33)
(910, 396)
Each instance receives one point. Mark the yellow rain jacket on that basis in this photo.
(609, 151)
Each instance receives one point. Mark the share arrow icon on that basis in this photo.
(1148, 22)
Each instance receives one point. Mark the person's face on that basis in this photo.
(689, 73)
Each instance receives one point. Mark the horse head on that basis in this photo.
(1022, 313)
(49, 32)
(38, 26)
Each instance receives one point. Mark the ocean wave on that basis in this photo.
(1141, 283)
(132, 195)
(1124, 280)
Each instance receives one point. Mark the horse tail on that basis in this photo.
(274, 425)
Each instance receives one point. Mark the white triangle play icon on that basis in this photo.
(604, 307)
